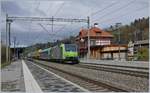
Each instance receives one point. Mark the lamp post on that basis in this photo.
(82, 41)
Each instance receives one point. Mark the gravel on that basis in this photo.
(128, 82)
(50, 83)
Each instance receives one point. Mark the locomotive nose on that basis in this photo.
(71, 54)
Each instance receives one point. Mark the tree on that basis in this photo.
(137, 30)
(143, 54)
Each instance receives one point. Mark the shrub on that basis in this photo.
(143, 54)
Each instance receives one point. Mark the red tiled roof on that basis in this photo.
(93, 31)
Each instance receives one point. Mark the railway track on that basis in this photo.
(50, 82)
(91, 85)
(138, 72)
(134, 67)
(127, 70)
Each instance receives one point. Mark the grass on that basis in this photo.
(4, 64)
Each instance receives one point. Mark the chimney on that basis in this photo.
(95, 24)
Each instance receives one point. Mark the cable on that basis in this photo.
(56, 13)
(104, 8)
(59, 8)
(44, 28)
(118, 9)
(137, 10)
(61, 28)
(4, 9)
(49, 8)
(32, 5)
(48, 31)
(36, 8)
(75, 29)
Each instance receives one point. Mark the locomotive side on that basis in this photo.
(64, 53)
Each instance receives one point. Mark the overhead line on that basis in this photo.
(44, 28)
(29, 28)
(38, 36)
(75, 29)
(118, 9)
(36, 8)
(49, 8)
(2, 6)
(104, 8)
(47, 19)
(137, 10)
(47, 30)
(62, 28)
(59, 8)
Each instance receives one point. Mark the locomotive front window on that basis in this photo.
(70, 47)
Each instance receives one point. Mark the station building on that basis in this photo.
(100, 44)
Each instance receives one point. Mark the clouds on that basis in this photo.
(109, 12)
(12, 8)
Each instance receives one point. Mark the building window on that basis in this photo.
(103, 42)
(98, 33)
(92, 42)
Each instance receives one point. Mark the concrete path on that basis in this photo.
(12, 78)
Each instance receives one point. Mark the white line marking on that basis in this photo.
(30, 83)
(62, 78)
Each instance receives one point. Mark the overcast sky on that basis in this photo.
(104, 12)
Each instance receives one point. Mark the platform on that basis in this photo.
(23, 76)
(136, 64)
(30, 83)
(12, 78)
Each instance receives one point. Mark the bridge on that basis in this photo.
(17, 50)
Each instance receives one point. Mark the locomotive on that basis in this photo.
(63, 53)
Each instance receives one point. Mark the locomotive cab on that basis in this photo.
(70, 53)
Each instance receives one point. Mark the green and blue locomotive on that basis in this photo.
(64, 53)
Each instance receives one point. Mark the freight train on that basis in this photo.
(63, 53)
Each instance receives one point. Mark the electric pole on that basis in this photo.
(17, 50)
(14, 47)
(7, 39)
(118, 25)
(52, 23)
(88, 22)
(8, 24)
